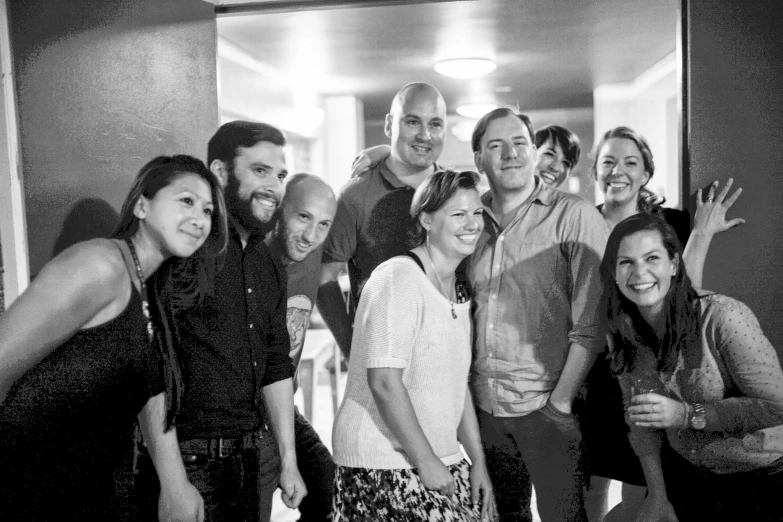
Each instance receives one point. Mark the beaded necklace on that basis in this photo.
(145, 307)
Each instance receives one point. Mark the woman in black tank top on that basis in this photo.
(87, 348)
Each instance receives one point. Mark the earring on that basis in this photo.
(428, 240)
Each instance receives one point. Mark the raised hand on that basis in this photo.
(710, 215)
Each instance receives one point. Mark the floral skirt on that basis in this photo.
(363, 494)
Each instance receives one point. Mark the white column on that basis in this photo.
(343, 137)
(13, 236)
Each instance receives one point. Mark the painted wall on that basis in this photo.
(103, 86)
(649, 105)
(735, 114)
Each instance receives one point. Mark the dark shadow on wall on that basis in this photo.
(89, 218)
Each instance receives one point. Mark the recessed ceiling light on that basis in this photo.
(475, 110)
(465, 67)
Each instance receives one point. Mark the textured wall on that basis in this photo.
(102, 87)
(735, 113)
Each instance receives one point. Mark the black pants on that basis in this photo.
(699, 495)
(317, 470)
(237, 487)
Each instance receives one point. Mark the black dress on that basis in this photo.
(66, 427)
(607, 449)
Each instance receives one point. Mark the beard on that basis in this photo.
(241, 210)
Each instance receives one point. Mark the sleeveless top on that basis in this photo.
(66, 427)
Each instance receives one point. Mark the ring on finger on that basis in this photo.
(710, 199)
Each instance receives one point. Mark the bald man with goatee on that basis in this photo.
(302, 224)
(373, 222)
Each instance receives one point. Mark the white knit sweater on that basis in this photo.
(403, 321)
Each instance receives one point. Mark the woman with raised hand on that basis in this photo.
(407, 405)
(704, 386)
(622, 167)
(89, 346)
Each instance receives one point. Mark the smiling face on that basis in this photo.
(552, 166)
(644, 272)
(507, 156)
(307, 215)
(620, 171)
(179, 216)
(455, 228)
(417, 128)
(254, 187)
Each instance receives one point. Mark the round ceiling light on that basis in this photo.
(465, 67)
(475, 110)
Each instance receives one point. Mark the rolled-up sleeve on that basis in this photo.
(585, 244)
(279, 365)
(752, 363)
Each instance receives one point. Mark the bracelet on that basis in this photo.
(686, 422)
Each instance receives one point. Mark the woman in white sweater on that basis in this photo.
(407, 405)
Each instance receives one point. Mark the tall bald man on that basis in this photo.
(303, 222)
(373, 222)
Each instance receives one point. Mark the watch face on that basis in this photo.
(699, 421)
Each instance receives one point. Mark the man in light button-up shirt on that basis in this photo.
(536, 288)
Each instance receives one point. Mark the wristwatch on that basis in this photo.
(699, 419)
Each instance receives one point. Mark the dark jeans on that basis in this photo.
(543, 448)
(697, 494)
(317, 470)
(235, 488)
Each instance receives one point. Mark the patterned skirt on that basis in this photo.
(392, 495)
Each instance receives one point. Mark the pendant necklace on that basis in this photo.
(145, 307)
(440, 283)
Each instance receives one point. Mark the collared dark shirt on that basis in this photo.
(372, 224)
(234, 344)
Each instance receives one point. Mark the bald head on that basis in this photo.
(306, 215)
(416, 124)
(416, 91)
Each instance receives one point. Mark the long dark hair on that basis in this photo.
(622, 320)
(647, 200)
(179, 283)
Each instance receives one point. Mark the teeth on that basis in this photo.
(266, 202)
(642, 287)
(421, 149)
(468, 238)
(616, 185)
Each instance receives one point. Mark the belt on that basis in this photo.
(220, 447)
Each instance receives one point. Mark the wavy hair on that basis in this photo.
(621, 317)
(179, 283)
(647, 201)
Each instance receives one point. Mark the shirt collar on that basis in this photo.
(391, 178)
(542, 194)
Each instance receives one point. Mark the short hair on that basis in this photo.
(567, 140)
(439, 188)
(501, 112)
(225, 144)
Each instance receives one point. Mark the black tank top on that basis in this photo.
(66, 427)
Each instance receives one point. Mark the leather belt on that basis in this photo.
(220, 447)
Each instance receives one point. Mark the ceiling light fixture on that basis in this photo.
(475, 110)
(465, 67)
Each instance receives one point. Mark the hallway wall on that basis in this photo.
(103, 86)
(735, 114)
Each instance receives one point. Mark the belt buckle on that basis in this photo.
(221, 448)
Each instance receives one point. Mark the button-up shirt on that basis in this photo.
(234, 344)
(536, 288)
